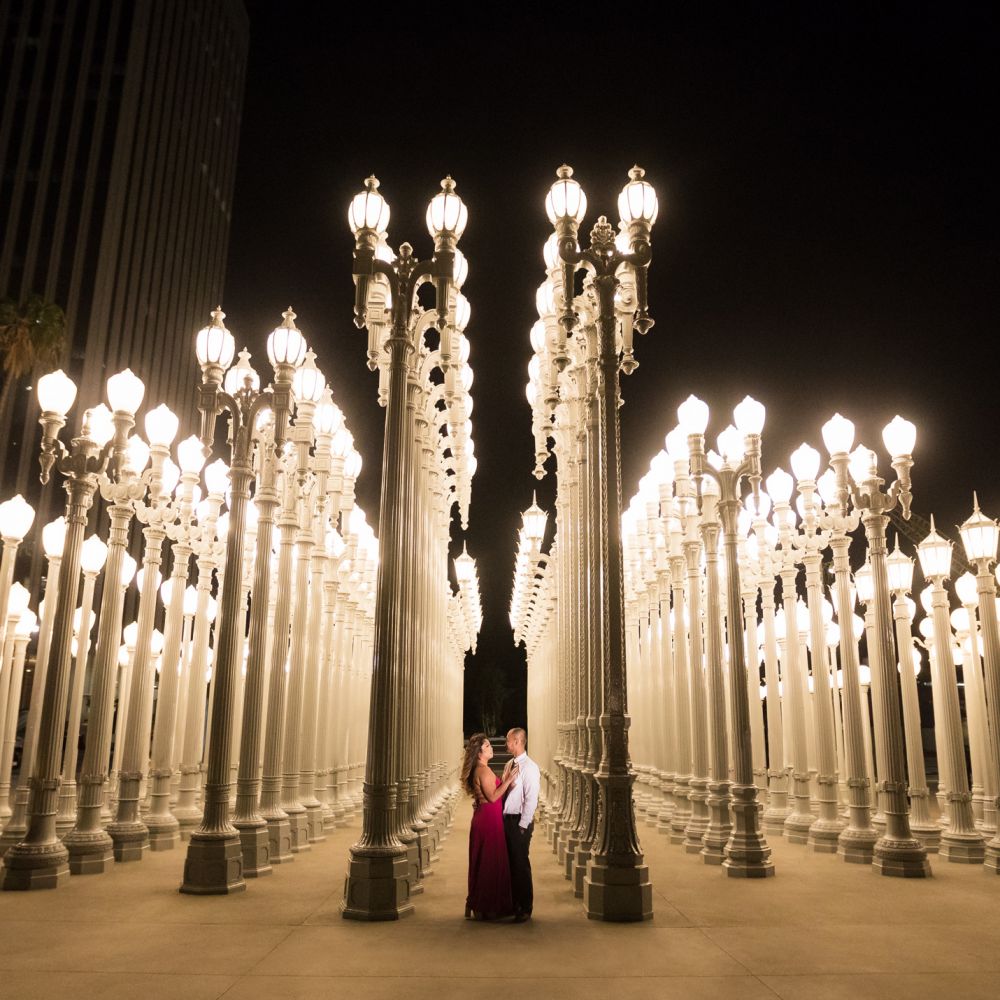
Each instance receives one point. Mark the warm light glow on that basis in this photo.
(217, 478)
(565, 199)
(693, 416)
(214, 344)
(900, 570)
(125, 392)
(637, 201)
(92, 555)
(447, 214)
(369, 210)
(779, 486)
(308, 382)
(934, 553)
(730, 444)
(99, 425)
(241, 373)
(749, 416)
(16, 517)
(161, 426)
(899, 436)
(864, 582)
(56, 392)
(979, 535)
(54, 537)
(838, 435)
(285, 343)
(191, 455)
(805, 463)
(137, 454)
(17, 600)
(967, 590)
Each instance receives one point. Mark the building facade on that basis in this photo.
(119, 128)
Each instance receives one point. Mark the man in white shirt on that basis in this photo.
(519, 807)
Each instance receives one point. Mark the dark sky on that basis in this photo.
(827, 237)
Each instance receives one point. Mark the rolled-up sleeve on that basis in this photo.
(529, 790)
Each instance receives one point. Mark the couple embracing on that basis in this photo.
(500, 835)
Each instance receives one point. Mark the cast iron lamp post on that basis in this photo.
(214, 862)
(616, 886)
(377, 885)
(41, 860)
(746, 852)
(897, 851)
(979, 537)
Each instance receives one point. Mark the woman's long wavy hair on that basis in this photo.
(472, 748)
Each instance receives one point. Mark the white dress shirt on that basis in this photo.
(522, 797)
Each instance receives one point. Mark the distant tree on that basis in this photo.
(492, 691)
(32, 338)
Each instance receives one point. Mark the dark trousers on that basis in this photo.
(518, 842)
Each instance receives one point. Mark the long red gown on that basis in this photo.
(489, 873)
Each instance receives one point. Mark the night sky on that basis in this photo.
(827, 237)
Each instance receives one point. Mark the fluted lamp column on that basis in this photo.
(214, 862)
(979, 537)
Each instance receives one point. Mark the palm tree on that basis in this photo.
(32, 338)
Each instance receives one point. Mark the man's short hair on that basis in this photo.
(518, 732)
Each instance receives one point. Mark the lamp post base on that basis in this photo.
(214, 865)
(962, 848)
(255, 845)
(747, 853)
(824, 835)
(797, 827)
(279, 839)
(164, 832)
(618, 894)
(716, 837)
(901, 859)
(929, 836)
(28, 866)
(314, 823)
(298, 824)
(857, 846)
(991, 861)
(90, 853)
(131, 840)
(377, 886)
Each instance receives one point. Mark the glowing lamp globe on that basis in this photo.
(637, 201)
(899, 436)
(161, 426)
(461, 270)
(864, 581)
(967, 590)
(864, 674)
(217, 478)
(214, 344)
(125, 392)
(190, 602)
(137, 454)
(838, 435)
(662, 468)
(285, 343)
(692, 415)
(805, 463)
(534, 520)
(352, 465)
(17, 600)
(169, 475)
(960, 620)
(328, 418)
(779, 486)
(464, 349)
(565, 200)
(447, 214)
(463, 312)
(749, 416)
(56, 393)
(863, 463)
(99, 425)
(308, 382)
(156, 642)
(900, 570)
(934, 553)
(93, 555)
(979, 536)
(730, 443)
(129, 567)
(16, 517)
(131, 635)
(826, 486)
(368, 211)
(26, 624)
(191, 455)
(242, 374)
(54, 537)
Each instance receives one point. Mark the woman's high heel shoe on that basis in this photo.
(468, 913)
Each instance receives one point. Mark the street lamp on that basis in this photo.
(381, 864)
(41, 860)
(214, 862)
(897, 851)
(960, 841)
(617, 884)
(746, 850)
(979, 537)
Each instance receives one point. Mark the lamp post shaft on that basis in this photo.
(40, 861)
(986, 588)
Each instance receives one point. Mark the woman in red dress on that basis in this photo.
(489, 874)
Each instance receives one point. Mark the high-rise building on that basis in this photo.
(119, 127)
